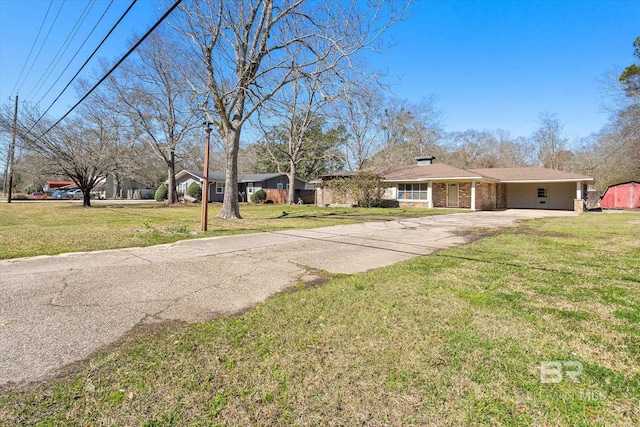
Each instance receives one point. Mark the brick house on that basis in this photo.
(430, 184)
(275, 185)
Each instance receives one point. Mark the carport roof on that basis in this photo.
(530, 174)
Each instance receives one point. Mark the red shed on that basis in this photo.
(625, 195)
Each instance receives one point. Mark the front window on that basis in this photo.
(542, 192)
(280, 186)
(412, 191)
(219, 187)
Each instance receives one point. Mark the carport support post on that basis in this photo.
(205, 179)
(578, 190)
(473, 195)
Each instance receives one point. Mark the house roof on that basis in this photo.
(442, 172)
(56, 184)
(527, 174)
(213, 176)
(242, 177)
(435, 171)
(254, 177)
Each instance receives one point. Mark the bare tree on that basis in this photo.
(158, 101)
(297, 134)
(512, 152)
(408, 130)
(613, 155)
(485, 149)
(125, 156)
(307, 153)
(549, 140)
(359, 110)
(80, 149)
(248, 49)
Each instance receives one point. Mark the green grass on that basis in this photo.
(455, 338)
(49, 228)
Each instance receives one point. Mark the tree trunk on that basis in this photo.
(86, 197)
(172, 195)
(292, 183)
(116, 188)
(230, 206)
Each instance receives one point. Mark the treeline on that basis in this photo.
(397, 132)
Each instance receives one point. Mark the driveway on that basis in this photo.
(56, 310)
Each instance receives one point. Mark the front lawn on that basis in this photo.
(49, 228)
(455, 338)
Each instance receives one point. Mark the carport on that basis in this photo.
(540, 188)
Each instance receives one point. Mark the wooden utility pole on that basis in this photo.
(205, 179)
(12, 148)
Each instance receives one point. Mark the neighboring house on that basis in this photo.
(625, 195)
(429, 184)
(109, 188)
(52, 186)
(275, 185)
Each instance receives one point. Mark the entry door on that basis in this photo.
(452, 195)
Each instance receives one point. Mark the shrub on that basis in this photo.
(259, 196)
(161, 193)
(194, 191)
(363, 188)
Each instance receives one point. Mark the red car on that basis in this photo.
(36, 196)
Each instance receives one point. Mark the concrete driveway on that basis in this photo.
(56, 310)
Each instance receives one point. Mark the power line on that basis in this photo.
(63, 49)
(135, 46)
(76, 54)
(83, 65)
(42, 46)
(32, 47)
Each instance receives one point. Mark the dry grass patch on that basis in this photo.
(49, 228)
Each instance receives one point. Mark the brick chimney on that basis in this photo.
(425, 160)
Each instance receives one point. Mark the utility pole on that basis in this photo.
(5, 175)
(205, 179)
(12, 148)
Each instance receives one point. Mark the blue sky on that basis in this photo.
(498, 64)
(20, 21)
(491, 64)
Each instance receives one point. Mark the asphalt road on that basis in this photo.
(57, 310)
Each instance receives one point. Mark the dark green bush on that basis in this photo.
(259, 196)
(194, 191)
(161, 193)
